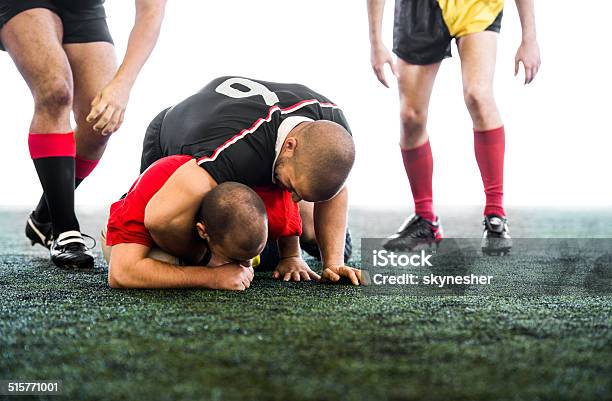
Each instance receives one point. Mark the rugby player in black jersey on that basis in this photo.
(259, 134)
(65, 53)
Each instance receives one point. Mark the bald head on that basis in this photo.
(235, 215)
(325, 155)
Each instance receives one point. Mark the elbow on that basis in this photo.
(118, 277)
(152, 13)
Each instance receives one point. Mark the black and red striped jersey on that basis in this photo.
(235, 126)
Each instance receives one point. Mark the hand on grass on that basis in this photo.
(294, 269)
(232, 277)
(334, 273)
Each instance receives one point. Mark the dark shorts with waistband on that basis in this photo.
(84, 21)
(420, 33)
(151, 146)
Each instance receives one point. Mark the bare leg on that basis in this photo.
(415, 87)
(33, 39)
(93, 66)
(478, 53)
(89, 78)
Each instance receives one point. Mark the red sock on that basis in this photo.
(84, 167)
(489, 147)
(51, 145)
(418, 163)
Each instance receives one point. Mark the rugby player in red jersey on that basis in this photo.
(229, 225)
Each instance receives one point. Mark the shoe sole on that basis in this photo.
(75, 266)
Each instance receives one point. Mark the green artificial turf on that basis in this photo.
(301, 341)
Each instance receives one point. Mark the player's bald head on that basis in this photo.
(324, 157)
(235, 217)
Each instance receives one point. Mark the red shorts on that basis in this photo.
(126, 219)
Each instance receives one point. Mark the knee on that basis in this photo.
(413, 121)
(478, 98)
(54, 97)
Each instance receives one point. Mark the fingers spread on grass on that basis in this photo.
(330, 275)
(313, 275)
(350, 273)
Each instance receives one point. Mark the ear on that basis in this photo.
(289, 146)
(201, 228)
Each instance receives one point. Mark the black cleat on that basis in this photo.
(415, 233)
(312, 248)
(496, 239)
(39, 232)
(69, 251)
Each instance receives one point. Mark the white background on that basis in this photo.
(558, 131)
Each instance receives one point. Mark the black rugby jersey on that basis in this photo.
(232, 126)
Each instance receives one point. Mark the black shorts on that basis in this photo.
(84, 21)
(151, 146)
(423, 30)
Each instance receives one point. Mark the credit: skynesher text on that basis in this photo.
(431, 279)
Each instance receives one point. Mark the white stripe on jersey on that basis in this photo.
(257, 124)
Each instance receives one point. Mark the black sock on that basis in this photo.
(41, 213)
(56, 175)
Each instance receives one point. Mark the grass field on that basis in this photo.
(303, 341)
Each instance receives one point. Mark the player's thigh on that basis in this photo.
(93, 66)
(33, 40)
(415, 84)
(478, 52)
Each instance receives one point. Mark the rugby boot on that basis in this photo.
(69, 251)
(496, 238)
(39, 232)
(416, 233)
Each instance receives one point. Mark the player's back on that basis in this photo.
(228, 105)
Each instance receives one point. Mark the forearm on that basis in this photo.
(289, 247)
(147, 25)
(153, 274)
(376, 9)
(330, 220)
(527, 16)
